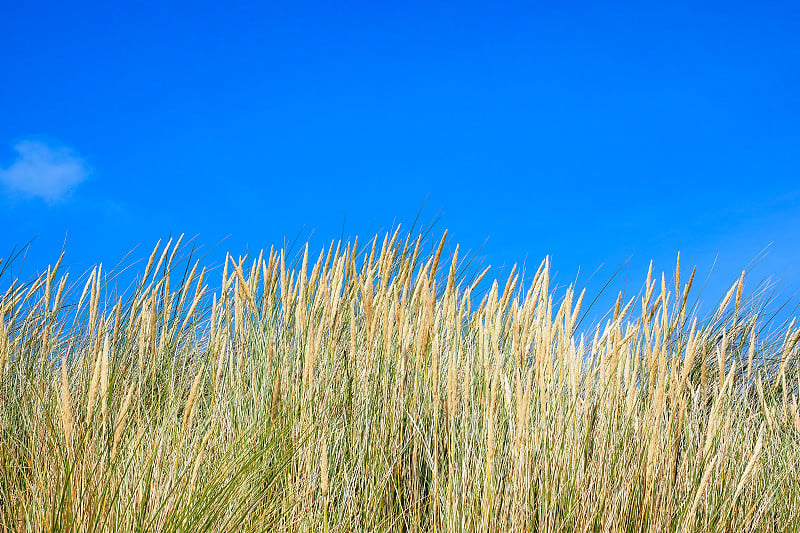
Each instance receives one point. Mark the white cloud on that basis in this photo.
(44, 171)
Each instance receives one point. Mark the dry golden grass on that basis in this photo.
(373, 390)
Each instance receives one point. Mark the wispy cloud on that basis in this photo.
(44, 171)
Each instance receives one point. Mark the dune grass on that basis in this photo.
(381, 389)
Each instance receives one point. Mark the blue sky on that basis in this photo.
(590, 132)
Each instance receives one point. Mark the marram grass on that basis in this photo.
(376, 389)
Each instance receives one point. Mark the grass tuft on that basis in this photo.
(371, 390)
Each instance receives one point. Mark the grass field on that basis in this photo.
(378, 387)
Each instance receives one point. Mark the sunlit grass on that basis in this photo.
(377, 389)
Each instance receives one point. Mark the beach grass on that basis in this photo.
(387, 387)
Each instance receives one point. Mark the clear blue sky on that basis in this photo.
(590, 132)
